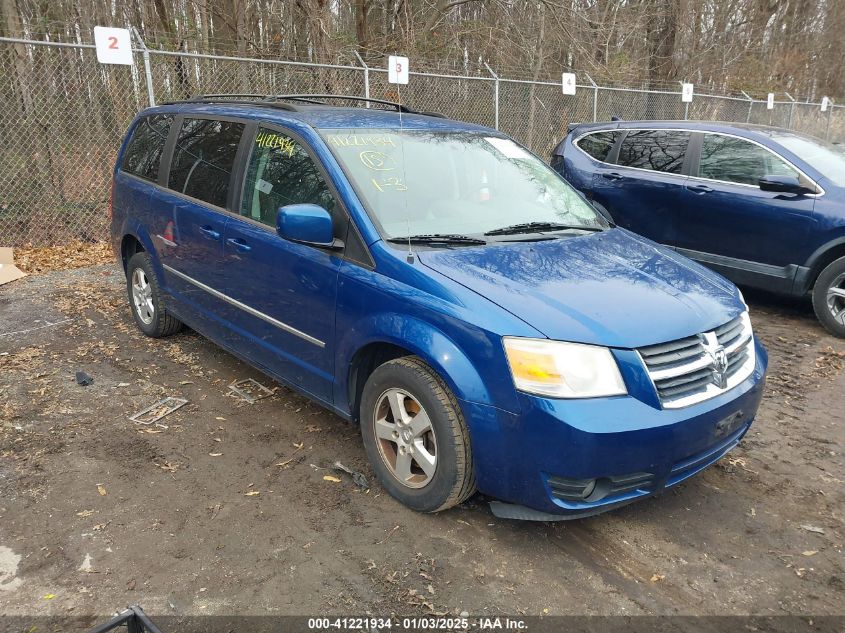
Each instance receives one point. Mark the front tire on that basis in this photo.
(415, 436)
(146, 300)
(829, 297)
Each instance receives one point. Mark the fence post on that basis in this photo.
(495, 96)
(595, 98)
(829, 116)
(750, 105)
(791, 109)
(366, 77)
(148, 73)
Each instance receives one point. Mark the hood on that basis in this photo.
(610, 288)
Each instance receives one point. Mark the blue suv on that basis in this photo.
(440, 285)
(763, 206)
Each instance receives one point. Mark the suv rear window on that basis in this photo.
(657, 150)
(143, 154)
(203, 159)
(598, 144)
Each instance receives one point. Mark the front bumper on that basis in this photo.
(635, 449)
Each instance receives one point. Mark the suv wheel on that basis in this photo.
(415, 436)
(145, 298)
(829, 297)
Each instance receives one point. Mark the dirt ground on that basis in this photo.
(227, 511)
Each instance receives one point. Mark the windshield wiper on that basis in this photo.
(438, 238)
(536, 227)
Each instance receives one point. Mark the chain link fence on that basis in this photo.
(63, 115)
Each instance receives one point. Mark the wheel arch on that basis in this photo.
(385, 341)
(822, 258)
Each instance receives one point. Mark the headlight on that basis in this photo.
(563, 370)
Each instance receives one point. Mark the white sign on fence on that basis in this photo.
(825, 103)
(686, 93)
(114, 46)
(568, 83)
(397, 69)
(770, 101)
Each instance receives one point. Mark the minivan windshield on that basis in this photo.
(822, 156)
(456, 184)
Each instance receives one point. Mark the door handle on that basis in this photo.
(612, 175)
(239, 245)
(209, 232)
(699, 189)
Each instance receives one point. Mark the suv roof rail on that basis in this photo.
(310, 99)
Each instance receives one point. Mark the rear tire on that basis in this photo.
(415, 436)
(146, 300)
(829, 297)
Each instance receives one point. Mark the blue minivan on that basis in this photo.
(437, 283)
(763, 206)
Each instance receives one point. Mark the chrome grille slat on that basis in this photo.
(687, 371)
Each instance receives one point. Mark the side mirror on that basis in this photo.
(306, 223)
(783, 184)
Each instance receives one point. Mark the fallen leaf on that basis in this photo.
(219, 418)
(49, 596)
(810, 552)
(215, 454)
(85, 513)
(657, 577)
(252, 493)
(102, 490)
(300, 445)
(130, 586)
(331, 479)
(812, 528)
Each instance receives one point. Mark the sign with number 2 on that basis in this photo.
(114, 46)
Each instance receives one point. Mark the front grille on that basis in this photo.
(699, 367)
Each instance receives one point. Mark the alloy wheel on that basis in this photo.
(836, 299)
(142, 296)
(405, 438)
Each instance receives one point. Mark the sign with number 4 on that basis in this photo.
(397, 70)
(114, 46)
(569, 83)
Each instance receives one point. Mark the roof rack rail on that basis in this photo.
(311, 99)
(318, 99)
(235, 99)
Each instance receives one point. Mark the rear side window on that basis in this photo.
(657, 150)
(203, 159)
(143, 153)
(281, 173)
(599, 144)
(733, 159)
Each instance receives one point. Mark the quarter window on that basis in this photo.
(281, 173)
(599, 144)
(657, 150)
(733, 159)
(143, 154)
(203, 159)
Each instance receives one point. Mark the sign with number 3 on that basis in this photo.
(397, 70)
(114, 46)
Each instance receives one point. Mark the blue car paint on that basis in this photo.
(757, 238)
(452, 308)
